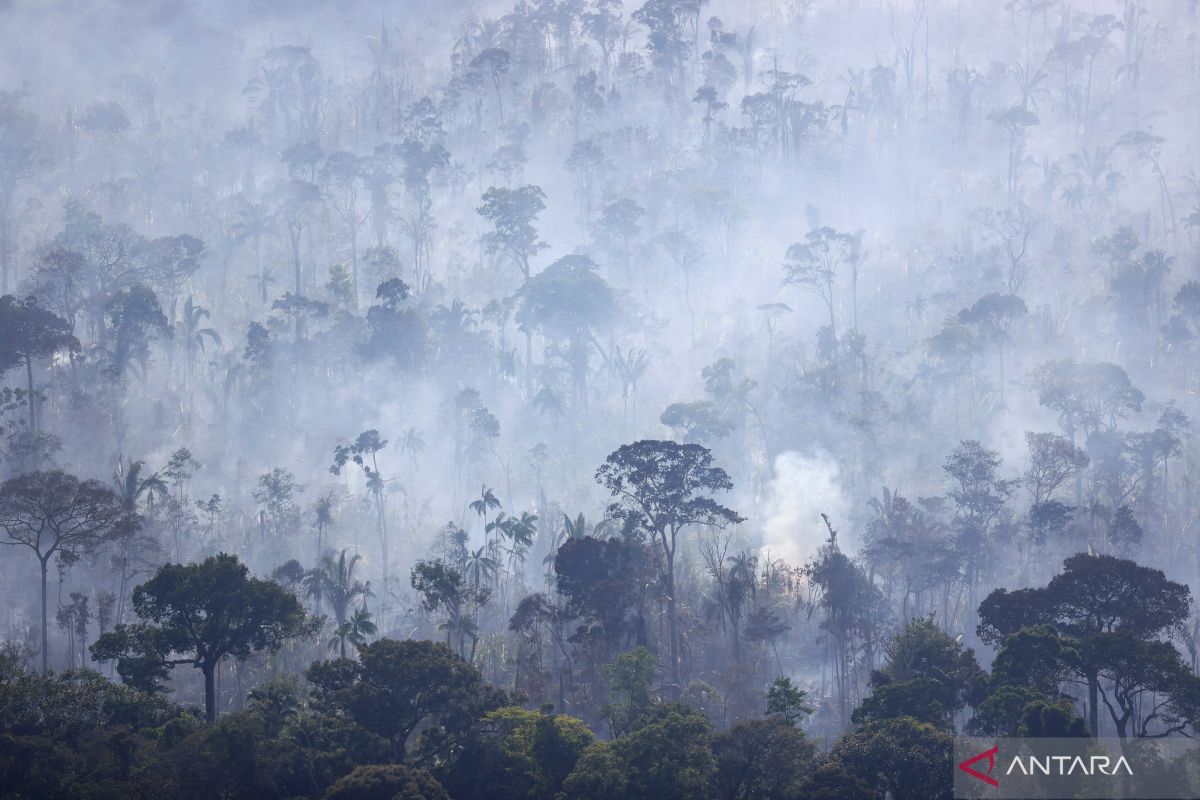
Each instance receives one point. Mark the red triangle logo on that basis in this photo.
(990, 755)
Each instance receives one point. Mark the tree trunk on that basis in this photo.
(32, 405)
(210, 691)
(45, 638)
(1093, 705)
(295, 242)
(672, 622)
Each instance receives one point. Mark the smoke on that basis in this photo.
(803, 487)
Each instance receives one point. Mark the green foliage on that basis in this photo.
(199, 614)
(910, 759)
(518, 753)
(387, 782)
(604, 582)
(762, 759)
(630, 676)
(831, 781)
(928, 676)
(1110, 613)
(396, 687)
(668, 757)
(789, 701)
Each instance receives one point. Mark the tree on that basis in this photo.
(386, 782)
(493, 63)
(659, 486)
(340, 175)
(1093, 596)
(605, 583)
(1087, 397)
(295, 205)
(136, 319)
(1022, 695)
(630, 676)
(275, 494)
(616, 228)
(443, 587)
(980, 498)
(333, 580)
(395, 330)
(567, 301)
(788, 701)
(995, 315)
(199, 614)
(926, 664)
(486, 502)
(669, 756)
(700, 422)
(813, 265)
(396, 688)
(29, 332)
(900, 758)
(366, 449)
(518, 753)
(512, 212)
(1052, 461)
(686, 252)
(194, 332)
(853, 612)
(354, 630)
(56, 514)
(18, 156)
(761, 759)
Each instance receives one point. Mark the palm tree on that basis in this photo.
(254, 222)
(463, 626)
(572, 529)
(412, 444)
(131, 488)
(521, 529)
(743, 568)
(355, 630)
(630, 367)
(487, 501)
(193, 334)
(480, 567)
(518, 530)
(334, 580)
(323, 517)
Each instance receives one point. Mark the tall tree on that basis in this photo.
(29, 332)
(56, 514)
(1092, 598)
(199, 614)
(512, 213)
(660, 488)
(814, 264)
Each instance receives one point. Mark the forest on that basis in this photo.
(582, 399)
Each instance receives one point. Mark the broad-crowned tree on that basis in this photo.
(398, 687)
(929, 676)
(512, 212)
(661, 488)
(669, 757)
(901, 758)
(199, 614)
(56, 514)
(761, 759)
(567, 302)
(29, 332)
(814, 264)
(1093, 596)
(605, 583)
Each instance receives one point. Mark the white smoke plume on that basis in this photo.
(804, 486)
